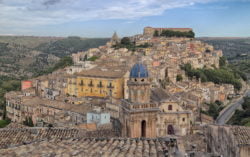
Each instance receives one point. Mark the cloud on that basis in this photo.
(51, 2)
(31, 13)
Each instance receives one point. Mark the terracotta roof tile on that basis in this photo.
(95, 147)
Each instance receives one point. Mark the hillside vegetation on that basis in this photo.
(236, 50)
(29, 56)
(242, 117)
(226, 74)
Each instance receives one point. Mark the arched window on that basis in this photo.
(170, 107)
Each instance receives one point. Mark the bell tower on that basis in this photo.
(139, 85)
(138, 112)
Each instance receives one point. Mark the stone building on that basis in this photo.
(142, 116)
(149, 31)
(114, 40)
(98, 82)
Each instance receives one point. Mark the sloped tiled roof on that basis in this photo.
(94, 147)
(242, 134)
(159, 94)
(16, 136)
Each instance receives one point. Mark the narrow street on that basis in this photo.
(229, 111)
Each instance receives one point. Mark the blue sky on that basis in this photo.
(100, 18)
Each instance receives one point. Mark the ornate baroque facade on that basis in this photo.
(143, 117)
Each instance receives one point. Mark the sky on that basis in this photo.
(100, 18)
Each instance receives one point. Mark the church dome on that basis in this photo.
(139, 71)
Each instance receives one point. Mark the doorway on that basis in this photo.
(170, 130)
(143, 128)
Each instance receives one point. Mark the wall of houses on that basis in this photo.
(100, 87)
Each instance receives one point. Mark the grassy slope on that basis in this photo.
(23, 56)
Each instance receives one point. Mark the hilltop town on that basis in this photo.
(155, 89)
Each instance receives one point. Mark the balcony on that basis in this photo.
(110, 86)
(81, 84)
(100, 85)
(91, 85)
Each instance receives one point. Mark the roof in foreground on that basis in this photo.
(95, 147)
(17, 136)
(242, 134)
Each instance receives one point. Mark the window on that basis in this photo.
(91, 83)
(183, 119)
(100, 84)
(170, 107)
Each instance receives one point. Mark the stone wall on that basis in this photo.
(221, 141)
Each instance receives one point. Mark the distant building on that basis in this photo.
(98, 118)
(114, 40)
(149, 31)
(26, 84)
(98, 82)
(51, 93)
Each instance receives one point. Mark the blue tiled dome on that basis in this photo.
(139, 71)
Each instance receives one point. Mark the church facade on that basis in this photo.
(146, 115)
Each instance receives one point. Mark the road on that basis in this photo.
(229, 111)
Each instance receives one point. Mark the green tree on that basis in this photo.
(28, 122)
(222, 61)
(93, 58)
(125, 41)
(170, 33)
(156, 33)
(4, 123)
(63, 62)
(218, 76)
(85, 57)
(179, 77)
